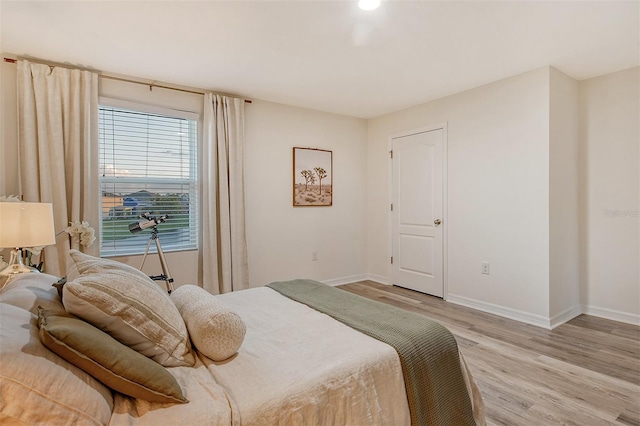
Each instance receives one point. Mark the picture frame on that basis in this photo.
(312, 177)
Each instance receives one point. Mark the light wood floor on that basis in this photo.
(585, 372)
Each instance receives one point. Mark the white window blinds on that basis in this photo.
(148, 164)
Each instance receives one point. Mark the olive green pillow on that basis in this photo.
(127, 305)
(114, 364)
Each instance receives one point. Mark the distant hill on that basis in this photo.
(141, 195)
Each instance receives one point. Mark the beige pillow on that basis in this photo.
(28, 291)
(39, 387)
(126, 304)
(215, 331)
(112, 363)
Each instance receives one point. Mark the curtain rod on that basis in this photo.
(127, 80)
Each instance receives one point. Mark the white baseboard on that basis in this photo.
(346, 280)
(514, 314)
(357, 278)
(502, 311)
(541, 321)
(611, 314)
(565, 316)
(378, 278)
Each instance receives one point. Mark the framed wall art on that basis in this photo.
(312, 177)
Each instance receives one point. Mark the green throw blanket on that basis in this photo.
(428, 352)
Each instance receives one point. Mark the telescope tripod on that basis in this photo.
(166, 275)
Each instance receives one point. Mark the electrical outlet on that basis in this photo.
(314, 255)
(485, 268)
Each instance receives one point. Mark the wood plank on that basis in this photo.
(628, 417)
(606, 325)
(585, 372)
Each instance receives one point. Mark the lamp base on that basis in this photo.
(16, 266)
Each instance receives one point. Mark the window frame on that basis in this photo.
(192, 181)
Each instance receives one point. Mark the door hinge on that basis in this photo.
(392, 260)
(391, 206)
(391, 154)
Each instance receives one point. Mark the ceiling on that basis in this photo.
(328, 55)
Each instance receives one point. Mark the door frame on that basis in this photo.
(445, 208)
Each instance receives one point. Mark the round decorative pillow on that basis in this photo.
(214, 329)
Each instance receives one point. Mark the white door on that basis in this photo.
(417, 237)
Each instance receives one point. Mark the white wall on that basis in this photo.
(511, 177)
(498, 192)
(564, 262)
(281, 237)
(609, 195)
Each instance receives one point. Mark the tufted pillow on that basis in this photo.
(123, 302)
(214, 330)
(114, 364)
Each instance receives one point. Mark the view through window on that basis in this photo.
(148, 165)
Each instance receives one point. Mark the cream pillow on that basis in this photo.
(123, 302)
(215, 331)
(28, 291)
(39, 387)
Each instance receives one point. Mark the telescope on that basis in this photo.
(150, 222)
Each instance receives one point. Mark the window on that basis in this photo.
(148, 164)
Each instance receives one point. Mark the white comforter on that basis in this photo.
(296, 366)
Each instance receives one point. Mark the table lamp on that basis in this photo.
(24, 225)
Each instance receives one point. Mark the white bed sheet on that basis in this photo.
(209, 403)
(296, 366)
(299, 366)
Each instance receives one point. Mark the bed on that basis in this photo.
(295, 366)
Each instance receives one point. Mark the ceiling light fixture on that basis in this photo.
(368, 4)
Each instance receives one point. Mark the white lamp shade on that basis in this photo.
(26, 225)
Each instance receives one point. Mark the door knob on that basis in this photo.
(437, 222)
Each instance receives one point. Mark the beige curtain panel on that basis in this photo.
(224, 246)
(58, 140)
